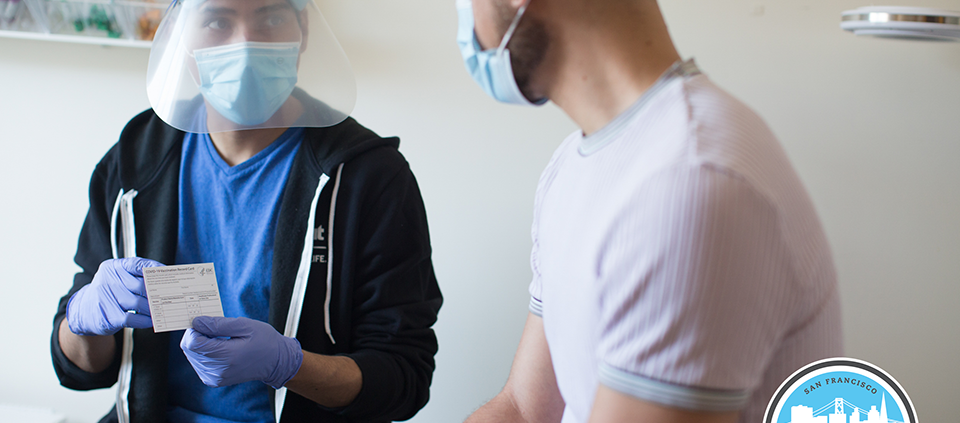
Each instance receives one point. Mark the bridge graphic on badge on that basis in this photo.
(836, 412)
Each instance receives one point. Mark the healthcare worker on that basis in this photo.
(314, 223)
(680, 272)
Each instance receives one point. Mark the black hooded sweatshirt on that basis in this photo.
(383, 297)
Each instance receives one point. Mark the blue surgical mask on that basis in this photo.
(490, 68)
(248, 82)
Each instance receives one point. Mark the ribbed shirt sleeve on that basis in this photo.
(546, 180)
(690, 290)
(536, 285)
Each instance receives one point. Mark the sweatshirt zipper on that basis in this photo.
(303, 273)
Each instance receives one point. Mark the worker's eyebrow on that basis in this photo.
(274, 7)
(218, 10)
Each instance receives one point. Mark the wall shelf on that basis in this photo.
(120, 23)
(79, 39)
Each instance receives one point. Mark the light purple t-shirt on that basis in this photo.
(677, 257)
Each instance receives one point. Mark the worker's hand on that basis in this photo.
(226, 351)
(101, 307)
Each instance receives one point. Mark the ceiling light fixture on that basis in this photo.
(916, 23)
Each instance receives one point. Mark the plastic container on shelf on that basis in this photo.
(10, 11)
(16, 16)
(87, 18)
(115, 22)
(38, 16)
(141, 19)
(101, 19)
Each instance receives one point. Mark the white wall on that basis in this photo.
(871, 126)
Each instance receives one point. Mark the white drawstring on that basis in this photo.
(113, 225)
(326, 301)
(124, 206)
(129, 228)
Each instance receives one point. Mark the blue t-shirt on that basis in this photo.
(228, 216)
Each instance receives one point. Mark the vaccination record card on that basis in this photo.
(179, 293)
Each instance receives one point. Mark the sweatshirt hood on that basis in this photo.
(328, 147)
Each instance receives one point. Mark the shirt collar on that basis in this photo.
(594, 142)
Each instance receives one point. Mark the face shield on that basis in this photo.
(228, 65)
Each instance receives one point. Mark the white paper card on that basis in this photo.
(179, 293)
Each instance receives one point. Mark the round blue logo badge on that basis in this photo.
(840, 390)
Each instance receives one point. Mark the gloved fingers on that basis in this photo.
(75, 303)
(209, 370)
(191, 339)
(133, 284)
(211, 379)
(126, 273)
(224, 326)
(209, 375)
(135, 265)
(291, 358)
(128, 301)
(86, 317)
(197, 343)
(101, 307)
(226, 351)
(75, 317)
(137, 321)
(131, 273)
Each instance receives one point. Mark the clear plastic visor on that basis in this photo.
(228, 65)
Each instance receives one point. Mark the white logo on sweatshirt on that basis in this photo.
(318, 236)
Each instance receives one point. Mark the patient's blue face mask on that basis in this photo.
(490, 68)
(248, 82)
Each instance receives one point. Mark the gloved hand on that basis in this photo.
(252, 350)
(100, 308)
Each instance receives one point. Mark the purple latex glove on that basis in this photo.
(226, 351)
(101, 307)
